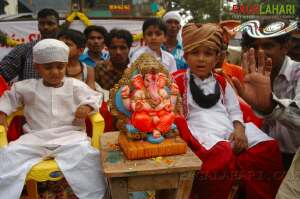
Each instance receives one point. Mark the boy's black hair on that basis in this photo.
(48, 12)
(247, 41)
(158, 22)
(99, 29)
(74, 35)
(120, 34)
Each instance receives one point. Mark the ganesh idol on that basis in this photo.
(146, 101)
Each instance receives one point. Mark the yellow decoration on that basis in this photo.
(138, 36)
(160, 12)
(81, 16)
(12, 43)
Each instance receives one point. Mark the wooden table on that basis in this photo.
(171, 176)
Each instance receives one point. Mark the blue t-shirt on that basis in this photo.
(85, 58)
(178, 53)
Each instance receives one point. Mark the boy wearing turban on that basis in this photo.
(232, 151)
(53, 105)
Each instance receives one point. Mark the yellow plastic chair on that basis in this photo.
(48, 170)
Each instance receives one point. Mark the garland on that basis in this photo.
(5, 40)
(85, 20)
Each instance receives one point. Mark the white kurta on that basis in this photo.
(215, 124)
(49, 132)
(166, 58)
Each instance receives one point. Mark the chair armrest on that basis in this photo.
(19, 112)
(97, 129)
(3, 133)
(3, 137)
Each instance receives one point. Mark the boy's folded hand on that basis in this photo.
(83, 111)
(3, 120)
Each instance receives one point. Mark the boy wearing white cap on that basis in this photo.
(52, 107)
(172, 45)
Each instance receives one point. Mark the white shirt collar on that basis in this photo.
(199, 82)
(286, 68)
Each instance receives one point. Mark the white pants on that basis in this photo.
(79, 163)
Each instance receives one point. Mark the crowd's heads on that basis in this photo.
(119, 34)
(119, 42)
(172, 20)
(156, 22)
(172, 15)
(154, 32)
(48, 23)
(100, 29)
(208, 35)
(46, 12)
(75, 36)
(75, 40)
(95, 36)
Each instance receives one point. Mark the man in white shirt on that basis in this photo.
(272, 87)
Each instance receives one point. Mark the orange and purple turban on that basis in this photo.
(195, 35)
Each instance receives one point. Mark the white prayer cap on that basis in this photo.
(50, 50)
(172, 15)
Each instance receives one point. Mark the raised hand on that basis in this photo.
(256, 89)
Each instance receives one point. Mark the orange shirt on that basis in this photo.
(233, 70)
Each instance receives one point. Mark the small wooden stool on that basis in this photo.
(171, 176)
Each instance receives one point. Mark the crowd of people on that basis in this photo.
(60, 78)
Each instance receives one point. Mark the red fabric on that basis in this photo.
(222, 81)
(108, 118)
(15, 127)
(259, 168)
(178, 76)
(248, 114)
(233, 70)
(89, 127)
(3, 85)
(213, 181)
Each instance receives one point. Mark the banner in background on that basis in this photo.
(27, 31)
